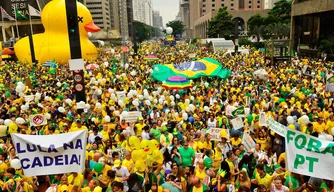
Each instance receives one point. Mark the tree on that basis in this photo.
(282, 10)
(221, 25)
(142, 31)
(178, 27)
(255, 21)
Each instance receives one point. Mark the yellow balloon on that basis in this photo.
(140, 166)
(139, 155)
(145, 145)
(134, 142)
(157, 156)
(54, 44)
(154, 144)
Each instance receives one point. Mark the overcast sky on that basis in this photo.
(168, 9)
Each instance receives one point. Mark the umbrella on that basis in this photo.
(151, 58)
(92, 66)
(176, 83)
(8, 52)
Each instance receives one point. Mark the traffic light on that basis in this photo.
(72, 22)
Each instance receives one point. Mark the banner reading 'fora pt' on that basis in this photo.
(308, 155)
(51, 154)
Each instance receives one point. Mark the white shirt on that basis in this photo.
(91, 138)
(145, 136)
(122, 173)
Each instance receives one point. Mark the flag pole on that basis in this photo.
(3, 27)
(31, 31)
(17, 27)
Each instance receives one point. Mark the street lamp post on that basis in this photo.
(236, 35)
(123, 29)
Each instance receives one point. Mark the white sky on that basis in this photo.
(168, 9)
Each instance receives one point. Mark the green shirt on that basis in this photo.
(324, 186)
(156, 132)
(186, 155)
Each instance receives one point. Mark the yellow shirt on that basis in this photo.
(105, 135)
(105, 170)
(266, 180)
(140, 128)
(329, 126)
(319, 127)
(75, 181)
(200, 174)
(129, 164)
(87, 189)
(235, 142)
(3, 167)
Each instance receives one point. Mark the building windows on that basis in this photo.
(213, 5)
(232, 4)
(223, 5)
(95, 18)
(203, 1)
(213, 9)
(250, 6)
(250, 2)
(213, 0)
(258, 2)
(204, 5)
(94, 3)
(258, 6)
(96, 13)
(203, 11)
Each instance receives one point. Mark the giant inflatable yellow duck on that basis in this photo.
(54, 44)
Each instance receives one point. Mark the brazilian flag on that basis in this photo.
(206, 67)
(239, 111)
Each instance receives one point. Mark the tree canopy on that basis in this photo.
(221, 25)
(178, 27)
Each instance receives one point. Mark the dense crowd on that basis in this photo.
(176, 122)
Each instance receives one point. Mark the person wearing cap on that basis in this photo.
(92, 136)
(139, 126)
(223, 144)
(121, 172)
(166, 138)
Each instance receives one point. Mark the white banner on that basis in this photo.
(248, 142)
(237, 123)
(38, 120)
(308, 155)
(263, 119)
(133, 116)
(51, 154)
(277, 127)
(121, 95)
(215, 133)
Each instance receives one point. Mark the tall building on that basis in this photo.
(196, 14)
(213, 5)
(190, 12)
(100, 11)
(157, 19)
(142, 11)
(129, 9)
(311, 23)
(269, 4)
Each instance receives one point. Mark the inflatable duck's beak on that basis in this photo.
(91, 27)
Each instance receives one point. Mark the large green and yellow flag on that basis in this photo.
(20, 15)
(191, 70)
